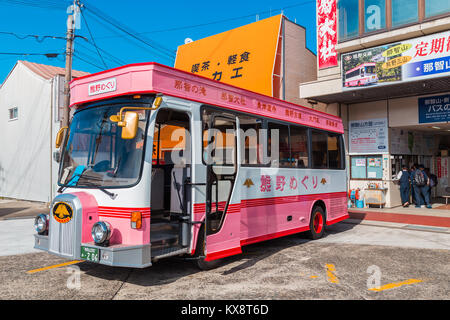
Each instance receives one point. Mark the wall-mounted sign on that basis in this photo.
(243, 57)
(326, 33)
(409, 60)
(368, 136)
(434, 109)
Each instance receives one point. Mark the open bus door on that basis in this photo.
(221, 170)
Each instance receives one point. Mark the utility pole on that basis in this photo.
(68, 72)
(73, 22)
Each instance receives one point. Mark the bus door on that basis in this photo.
(220, 155)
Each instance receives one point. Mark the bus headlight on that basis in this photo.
(101, 232)
(41, 224)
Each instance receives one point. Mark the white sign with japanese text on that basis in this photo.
(368, 136)
(103, 86)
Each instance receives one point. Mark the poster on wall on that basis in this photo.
(368, 136)
(404, 142)
(434, 109)
(408, 60)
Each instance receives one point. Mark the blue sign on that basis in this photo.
(434, 109)
(427, 67)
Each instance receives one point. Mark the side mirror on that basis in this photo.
(60, 136)
(129, 125)
(57, 156)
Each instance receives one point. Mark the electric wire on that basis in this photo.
(160, 50)
(93, 40)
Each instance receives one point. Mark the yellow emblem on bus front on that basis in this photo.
(62, 212)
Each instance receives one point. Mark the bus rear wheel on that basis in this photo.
(201, 263)
(317, 223)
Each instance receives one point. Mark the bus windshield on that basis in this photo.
(370, 70)
(95, 155)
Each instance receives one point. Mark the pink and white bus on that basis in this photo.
(362, 75)
(159, 162)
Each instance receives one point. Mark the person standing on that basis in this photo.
(404, 179)
(412, 185)
(422, 185)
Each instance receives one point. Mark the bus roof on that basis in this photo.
(152, 77)
(365, 64)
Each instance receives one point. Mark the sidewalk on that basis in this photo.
(435, 219)
(12, 209)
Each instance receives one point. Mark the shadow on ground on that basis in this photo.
(169, 270)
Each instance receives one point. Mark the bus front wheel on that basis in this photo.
(201, 263)
(317, 223)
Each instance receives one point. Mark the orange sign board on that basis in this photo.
(243, 57)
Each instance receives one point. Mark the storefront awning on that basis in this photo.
(406, 89)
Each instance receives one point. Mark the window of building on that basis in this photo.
(436, 7)
(348, 19)
(299, 147)
(319, 149)
(13, 113)
(374, 15)
(284, 152)
(404, 12)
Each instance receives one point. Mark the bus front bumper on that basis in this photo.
(115, 255)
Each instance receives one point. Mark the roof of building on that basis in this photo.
(48, 72)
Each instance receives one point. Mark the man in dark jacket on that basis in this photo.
(421, 186)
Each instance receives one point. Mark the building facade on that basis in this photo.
(384, 67)
(31, 100)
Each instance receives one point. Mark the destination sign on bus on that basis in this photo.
(103, 86)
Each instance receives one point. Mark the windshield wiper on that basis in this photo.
(90, 184)
(79, 175)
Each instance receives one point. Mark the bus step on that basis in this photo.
(163, 238)
(164, 227)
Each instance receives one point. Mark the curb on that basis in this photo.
(385, 224)
(408, 219)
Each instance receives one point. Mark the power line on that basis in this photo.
(108, 55)
(38, 38)
(220, 21)
(48, 55)
(92, 37)
(87, 61)
(158, 48)
(37, 4)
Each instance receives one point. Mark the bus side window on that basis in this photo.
(253, 146)
(299, 147)
(334, 152)
(319, 149)
(284, 156)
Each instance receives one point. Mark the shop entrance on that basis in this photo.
(427, 145)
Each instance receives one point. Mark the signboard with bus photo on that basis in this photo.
(409, 60)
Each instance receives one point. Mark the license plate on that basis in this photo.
(89, 254)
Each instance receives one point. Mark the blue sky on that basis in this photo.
(164, 26)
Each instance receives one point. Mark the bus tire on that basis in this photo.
(317, 223)
(201, 263)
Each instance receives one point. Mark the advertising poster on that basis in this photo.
(408, 60)
(368, 136)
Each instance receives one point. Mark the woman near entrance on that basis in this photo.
(404, 179)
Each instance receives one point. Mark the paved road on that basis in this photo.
(16, 236)
(344, 265)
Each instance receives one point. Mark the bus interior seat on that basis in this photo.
(157, 200)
